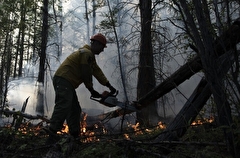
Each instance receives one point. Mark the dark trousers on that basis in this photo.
(66, 107)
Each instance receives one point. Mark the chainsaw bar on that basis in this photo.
(112, 101)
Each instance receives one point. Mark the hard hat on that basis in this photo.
(99, 37)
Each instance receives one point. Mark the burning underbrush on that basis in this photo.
(97, 139)
(23, 137)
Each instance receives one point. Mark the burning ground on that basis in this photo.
(23, 137)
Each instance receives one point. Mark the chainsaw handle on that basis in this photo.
(101, 100)
(114, 95)
(98, 100)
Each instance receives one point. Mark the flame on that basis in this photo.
(91, 133)
(161, 125)
(84, 129)
(87, 134)
(84, 123)
(126, 136)
(202, 121)
(136, 128)
(27, 128)
(139, 131)
(64, 130)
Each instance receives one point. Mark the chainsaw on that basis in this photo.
(110, 100)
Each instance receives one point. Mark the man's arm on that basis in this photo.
(99, 75)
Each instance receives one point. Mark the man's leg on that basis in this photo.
(73, 119)
(63, 101)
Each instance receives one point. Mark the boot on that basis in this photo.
(53, 137)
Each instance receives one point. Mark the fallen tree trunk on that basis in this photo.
(177, 128)
(25, 115)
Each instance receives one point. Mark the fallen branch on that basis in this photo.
(25, 115)
(136, 142)
(187, 143)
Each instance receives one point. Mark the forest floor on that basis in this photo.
(200, 141)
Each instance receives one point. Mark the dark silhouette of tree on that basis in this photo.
(146, 75)
(44, 42)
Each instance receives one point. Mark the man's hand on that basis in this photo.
(112, 89)
(94, 93)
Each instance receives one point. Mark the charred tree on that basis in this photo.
(5, 69)
(146, 77)
(40, 94)
(44, 42)
(22, 32)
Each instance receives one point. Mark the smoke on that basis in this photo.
(19, 91)
(23, 88)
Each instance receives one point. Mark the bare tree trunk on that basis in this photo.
(22, 30)
(44, 42)
(16, 54)
(6, 63)
(146, 75)
(58, 26)
(5, 68)
(40, 94)
(86, 16)
(94, 16)
(1, 83)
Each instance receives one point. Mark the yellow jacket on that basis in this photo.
(79, 67)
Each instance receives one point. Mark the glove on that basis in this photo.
(94, 93)
(112, 89)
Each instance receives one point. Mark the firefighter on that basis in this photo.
(77, 68)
